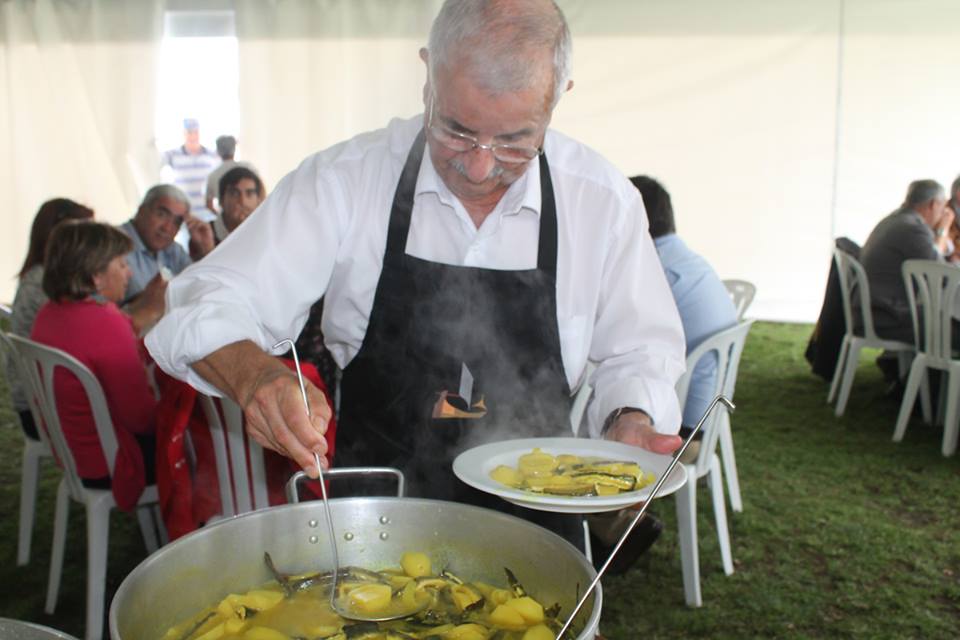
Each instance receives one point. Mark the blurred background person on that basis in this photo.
(30, 296)
(226, 149)
(187, 167)
(85, 276)
(703, 301)
(164, 210)
(240, 192)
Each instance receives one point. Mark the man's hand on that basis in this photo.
(148, 306)
(636, 428)
(201, 237)
(269, 393)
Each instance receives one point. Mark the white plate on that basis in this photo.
(474, 466)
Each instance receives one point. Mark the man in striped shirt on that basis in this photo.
(188, 166)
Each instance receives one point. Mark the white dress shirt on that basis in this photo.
(322, 232)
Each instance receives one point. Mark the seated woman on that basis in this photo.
(85, 275)
(30, 296)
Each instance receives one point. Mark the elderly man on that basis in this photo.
(153, 228)
(917, 229)
(241, 191)
(471, 260)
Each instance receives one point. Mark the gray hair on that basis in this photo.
(497, 37)
(921, 192)
(164, 191)
(955, 188)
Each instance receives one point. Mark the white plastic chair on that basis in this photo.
(853, 281)
(728, 345)
(932, 290)
(243, 487)
(33, 452)
(40, 362)
(742, 293)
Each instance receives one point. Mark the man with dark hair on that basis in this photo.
(702, 300)
(705, 308)
(917, 229)
(241, 191)
(226, 149)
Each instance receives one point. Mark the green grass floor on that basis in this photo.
(844, 534)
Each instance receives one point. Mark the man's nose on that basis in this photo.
(479, 163)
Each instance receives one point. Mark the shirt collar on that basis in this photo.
(138, 244)
(522, 194)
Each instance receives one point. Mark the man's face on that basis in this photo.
(239, 201)
(159, 222)
(476, 177)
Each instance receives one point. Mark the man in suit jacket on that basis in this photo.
(918, 229)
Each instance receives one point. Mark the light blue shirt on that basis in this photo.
(705, 308)
(145, 264)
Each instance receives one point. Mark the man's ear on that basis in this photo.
(425, 56)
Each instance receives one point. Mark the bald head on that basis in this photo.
(503, 45)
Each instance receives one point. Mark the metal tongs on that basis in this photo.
(643, 510)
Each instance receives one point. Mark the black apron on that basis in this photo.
(428, 321)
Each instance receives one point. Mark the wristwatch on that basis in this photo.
(941, 232)
(612, 418)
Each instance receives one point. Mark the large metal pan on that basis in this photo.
(203, 567)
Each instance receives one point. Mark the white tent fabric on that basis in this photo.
(76, 111)
(776, 126)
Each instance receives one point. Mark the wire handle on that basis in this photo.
(643, 510)
(323, 485)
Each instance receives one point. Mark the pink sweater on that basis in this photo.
(101, 337)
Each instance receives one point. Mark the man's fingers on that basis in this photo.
(279, 417)
(662, 443)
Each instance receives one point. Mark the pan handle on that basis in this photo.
(293, 494)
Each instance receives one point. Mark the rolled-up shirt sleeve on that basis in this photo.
(638, 342)
(259, 283)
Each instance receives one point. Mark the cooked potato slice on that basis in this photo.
(539, 632)
(508, 618)
(528, 608)
(415, 564)
(369, 598)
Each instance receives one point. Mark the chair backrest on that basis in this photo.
(40, 363)
(854, 282)
(728, 346)
(239, 459)
(932, 292)
(742, 293)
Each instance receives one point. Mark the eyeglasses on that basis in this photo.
(164, 214)
(462, 143)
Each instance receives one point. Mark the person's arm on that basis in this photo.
(256, 290)
(638, 343)
(271, 399)
(201, 238)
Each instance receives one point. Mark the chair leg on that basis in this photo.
(587, 547)
(29, 480)
(147, 528)
(950, 425)
(720, 515)
(849, 371)
(61, 514)
(838, 370)
(161, 526)
(926, 403)
(918, 371)
(98, 541)
(686, 498)
(730, 463)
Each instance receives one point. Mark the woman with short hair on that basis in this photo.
(85, 276)
(30, 296)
